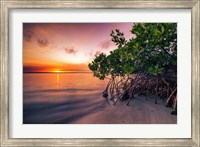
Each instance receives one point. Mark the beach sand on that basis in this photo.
(140, 111)
(76, 100)
(100, 111)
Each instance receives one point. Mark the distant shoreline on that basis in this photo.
(52, 72)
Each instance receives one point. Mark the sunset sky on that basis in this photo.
(51, 47)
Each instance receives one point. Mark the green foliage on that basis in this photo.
(118, 38)
(152, 50)
(100, 66)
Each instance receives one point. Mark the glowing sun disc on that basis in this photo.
(57, 71)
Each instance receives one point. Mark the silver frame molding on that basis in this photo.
(6, 5)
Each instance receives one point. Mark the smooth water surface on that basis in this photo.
(76, 98)
(60, 97)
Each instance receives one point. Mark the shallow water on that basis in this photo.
(60, 97)
(76, 98)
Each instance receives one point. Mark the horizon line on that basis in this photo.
(62, 72)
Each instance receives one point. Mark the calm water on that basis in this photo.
(60, 98)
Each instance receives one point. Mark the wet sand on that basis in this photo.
(140, 111)
(69, 99)
(100, 111)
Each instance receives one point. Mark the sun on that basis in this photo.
(57, 71)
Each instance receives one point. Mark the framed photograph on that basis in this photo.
(98, 73)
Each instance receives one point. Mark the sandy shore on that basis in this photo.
(96, 110)
(140, 111)
(76, 100)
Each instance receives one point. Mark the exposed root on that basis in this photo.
(122, 88)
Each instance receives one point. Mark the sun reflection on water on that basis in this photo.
(57, 80)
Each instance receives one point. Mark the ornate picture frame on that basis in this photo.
(7, 5)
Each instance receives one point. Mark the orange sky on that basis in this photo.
(49, 47)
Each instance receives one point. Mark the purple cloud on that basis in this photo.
(97, 53)
(43, 42)
(71, 50)
(28, 34)
(105, 44)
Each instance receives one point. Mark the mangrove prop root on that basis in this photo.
(121, 88)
